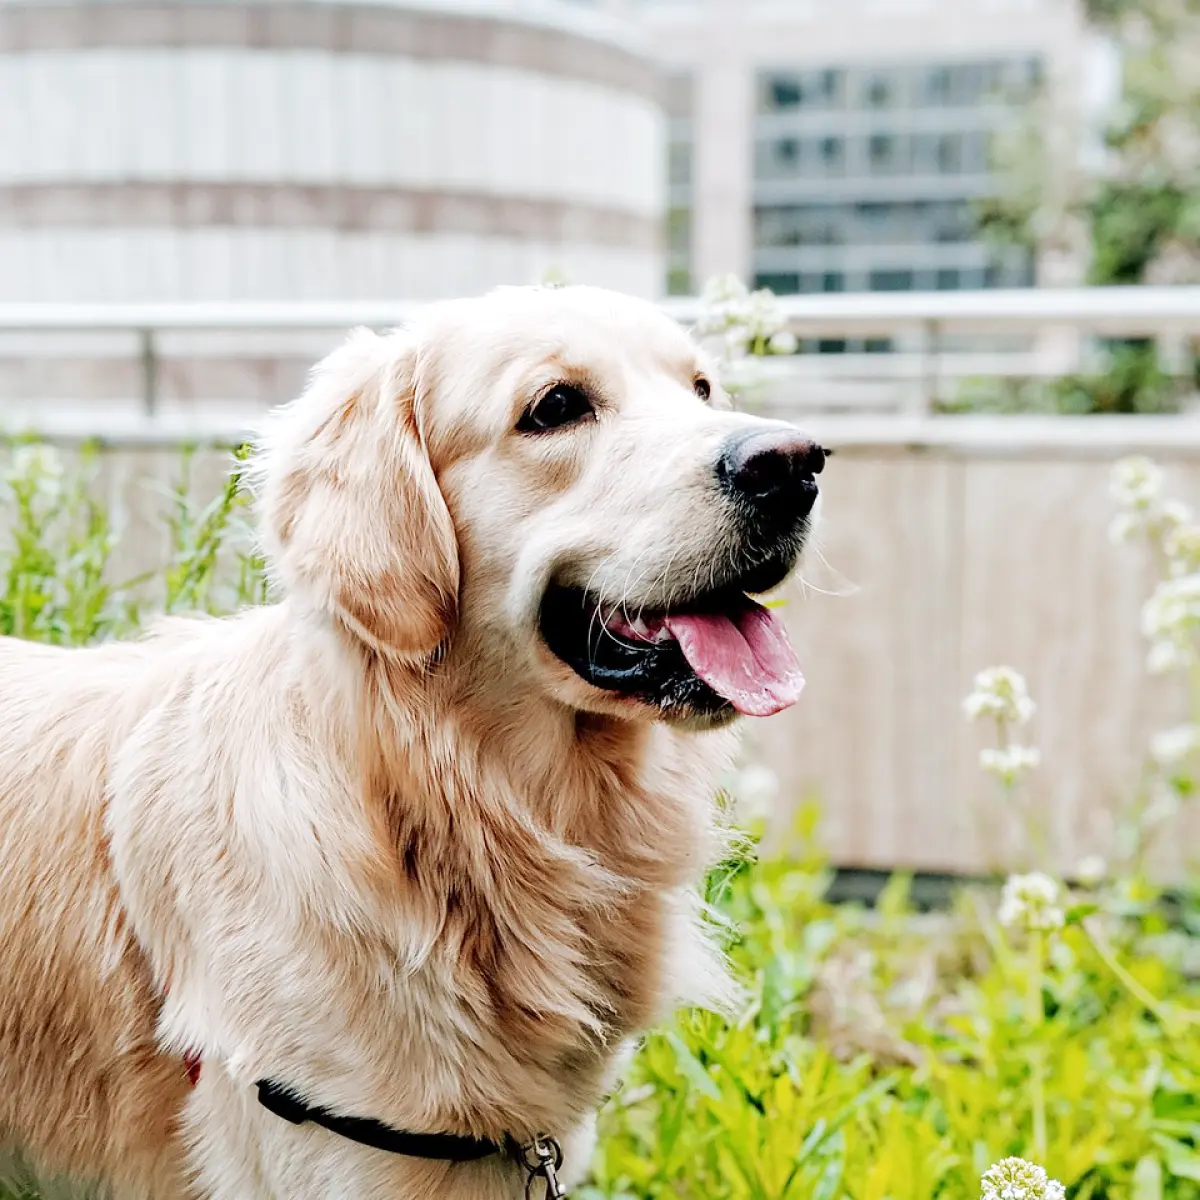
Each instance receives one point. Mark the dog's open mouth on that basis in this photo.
(722, 652)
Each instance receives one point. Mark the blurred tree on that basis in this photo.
(1131, 212)
(1123, 209)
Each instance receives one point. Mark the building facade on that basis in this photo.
(208, 150)
(841, 145)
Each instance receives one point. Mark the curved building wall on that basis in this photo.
(274, 150)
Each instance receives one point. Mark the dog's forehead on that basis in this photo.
(483, 359)
(590, 325)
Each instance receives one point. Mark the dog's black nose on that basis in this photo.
(773, 472)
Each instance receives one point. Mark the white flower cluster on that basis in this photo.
(1016, 1179)
(1172, 747)
(1091, 871)
(1182, 546)
(750, 322)
(1000, 693)
(1171, 617)
(36, 468)
(1171, 623)
(1031, 902)
(1137, 487)
(1009, 763)
(754, 789)
(1136, 484)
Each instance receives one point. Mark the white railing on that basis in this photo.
(932, 337)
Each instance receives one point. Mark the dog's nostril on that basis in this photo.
(774, 469)
(814, 460)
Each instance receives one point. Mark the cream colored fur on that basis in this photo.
(372, 840)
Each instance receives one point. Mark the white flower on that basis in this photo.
(1000, 692)
(39, 466)
(723, 304)
(1182, 547)
(1164, 807)
(1171, 621)
(1136, 483)
(1165, 657)
(1123, 527)
(1175, 514)
(1031, 902)
(1010, 763)
(1162, 520)
(747, 321)
(723, 289)
(1016, 1179)
(1174, 746)
(756, 788)
(1091, 871)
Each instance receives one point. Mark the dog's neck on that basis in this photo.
(548, 857)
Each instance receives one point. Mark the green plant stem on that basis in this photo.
(1035, 1014)
(1168, 1020)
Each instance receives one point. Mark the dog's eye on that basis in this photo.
(702, 387)
(562, 405)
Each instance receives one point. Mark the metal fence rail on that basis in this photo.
(1043, 333)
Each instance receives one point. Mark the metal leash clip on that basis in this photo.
(543, 1158)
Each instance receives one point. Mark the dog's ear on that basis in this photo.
(353, 519)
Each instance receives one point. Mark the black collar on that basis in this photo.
(447, 1147)
(539, 1158)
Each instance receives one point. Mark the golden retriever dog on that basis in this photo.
(416, 847)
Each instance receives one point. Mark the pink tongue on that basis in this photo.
(746, 658)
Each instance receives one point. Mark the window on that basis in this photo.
(781, 284)
(832, 152)
(881, 90)
(799, 225)
(810, 89)
(879, 223)
(925, 153)
(937, 89)
(787, 151)
(833, 281)
(831, 86)
(888, 154)
(951, 222)
(679, 163)
(950, 153)
(679, 232)
(948, 281)
(784, 92)
(976, 152)
(891, 281)
(679, 281)
(881, 151)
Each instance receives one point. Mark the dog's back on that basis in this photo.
(77, 1005)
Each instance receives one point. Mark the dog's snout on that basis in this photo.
(774, 471)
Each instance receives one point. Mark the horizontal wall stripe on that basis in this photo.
(339, 207)
(334, 28)
(220, 115)
(145, 264)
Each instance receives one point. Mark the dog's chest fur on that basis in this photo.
(556, 923)
(442, 926)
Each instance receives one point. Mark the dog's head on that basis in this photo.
(551, 486)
